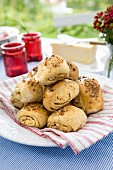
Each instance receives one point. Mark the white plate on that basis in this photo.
(100, 63)
(12, 35)
(98, 66)
(12, 131)
(11, 31)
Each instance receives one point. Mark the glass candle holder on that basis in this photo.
(14, 58)
(110, 62)
(33, 46)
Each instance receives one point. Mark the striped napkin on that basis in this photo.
(97, 126)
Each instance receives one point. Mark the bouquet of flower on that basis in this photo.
(103, 22)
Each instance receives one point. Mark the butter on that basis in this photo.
(80, 52)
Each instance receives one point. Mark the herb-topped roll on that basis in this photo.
(60, 94)
(67, 119)
(26, 91)
(33, 115)
(90, 97)
(52, 69)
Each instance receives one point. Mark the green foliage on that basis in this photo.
(35, 16)
(84, 5)
(81, 31)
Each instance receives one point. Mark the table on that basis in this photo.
(15, 156)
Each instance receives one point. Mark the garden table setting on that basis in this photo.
(89, 147)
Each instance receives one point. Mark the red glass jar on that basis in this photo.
(14, 58)
(33, 46)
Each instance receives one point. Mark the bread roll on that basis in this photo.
(90, 97)
(67, 119)
(52, 69)
(33, 115)
(60, 94)
(27, 91)
(73, 73)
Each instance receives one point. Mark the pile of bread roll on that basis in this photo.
(53, 95)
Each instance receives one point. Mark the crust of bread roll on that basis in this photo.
(67, 119)
(60, 94)
(15, 99)
(26, 91)
(33, 72)
(90, 97)
(74, 72)
(33, 115)
(52, 69)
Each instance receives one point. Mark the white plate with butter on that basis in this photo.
(100, 63)
(97, 66)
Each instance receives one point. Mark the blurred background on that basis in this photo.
(37, 15)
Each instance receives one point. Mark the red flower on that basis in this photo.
(103, 22)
